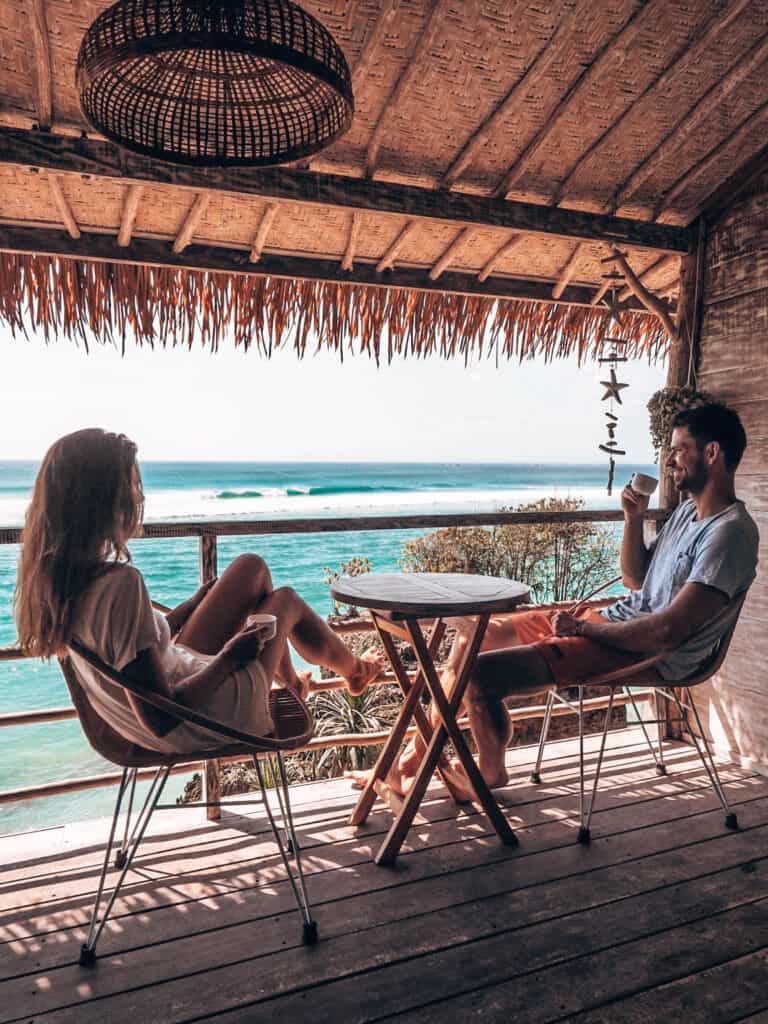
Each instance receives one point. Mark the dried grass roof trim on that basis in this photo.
(109, 303)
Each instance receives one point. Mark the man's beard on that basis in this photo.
(694, 480)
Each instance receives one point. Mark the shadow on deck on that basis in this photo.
(665, 913)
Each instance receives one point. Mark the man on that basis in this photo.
(704, 555)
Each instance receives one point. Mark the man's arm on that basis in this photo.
(656, 633)
(635, 556)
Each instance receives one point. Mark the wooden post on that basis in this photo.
(683, 360)
(212, 775)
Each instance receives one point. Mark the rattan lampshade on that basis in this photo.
(214, 82)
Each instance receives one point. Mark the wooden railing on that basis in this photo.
(207, 533)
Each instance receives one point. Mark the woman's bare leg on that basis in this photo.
(225, 609)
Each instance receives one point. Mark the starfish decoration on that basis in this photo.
(615, 308)
(613, 387)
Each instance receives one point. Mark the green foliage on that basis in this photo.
(354, 567)
(559, 561)
(664, 405)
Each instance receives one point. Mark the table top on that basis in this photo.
(427, 594)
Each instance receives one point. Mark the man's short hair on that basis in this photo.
(715, 422)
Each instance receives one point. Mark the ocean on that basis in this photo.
(32, 755)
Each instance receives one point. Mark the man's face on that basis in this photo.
(689, 467)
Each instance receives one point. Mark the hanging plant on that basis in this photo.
(664, 405)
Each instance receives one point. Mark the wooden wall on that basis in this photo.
(733, 367)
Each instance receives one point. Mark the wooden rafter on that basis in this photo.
(498, 256)
(41, 62)
(539, 65)
(389, 257)
(445, 260)
(705, 108)
(626, 34)
(62, 205)
(387, 11)
(658, 267)
(690, 53)
(348, 259)
(128, 217)
(62, 155)
(157, 252)
(262, 232)
(191, 221)
(601, 292)
(651, 302)
(741, 179)
(567, 272)
(732, 141)
(423, 43)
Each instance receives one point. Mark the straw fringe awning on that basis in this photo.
(113, 303)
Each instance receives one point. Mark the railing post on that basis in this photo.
(212, 775)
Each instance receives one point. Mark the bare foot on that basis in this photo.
(396, 781)
(304, 679)
(369, 666)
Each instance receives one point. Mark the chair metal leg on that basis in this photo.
(661, 768)
(583, 836)
(122, 853)
(704, 751)
(641, 723)
(584, 832)
(88, 950)
(536, 773)
(309, 927)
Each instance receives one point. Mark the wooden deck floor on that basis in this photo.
(664, 915)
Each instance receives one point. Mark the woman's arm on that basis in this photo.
(194, 690)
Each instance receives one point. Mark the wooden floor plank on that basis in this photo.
(726, 994)
(231, 895)
(462, 924)
(508, 906)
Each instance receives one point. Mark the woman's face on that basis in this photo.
(132, 515)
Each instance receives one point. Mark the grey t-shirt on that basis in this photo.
(719, 551)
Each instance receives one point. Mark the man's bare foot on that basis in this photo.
(368, 668)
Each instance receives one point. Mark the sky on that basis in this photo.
(231, 406)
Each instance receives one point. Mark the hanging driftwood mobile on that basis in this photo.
(621, 271)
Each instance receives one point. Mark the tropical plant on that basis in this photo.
(664, 405)
(354, 567)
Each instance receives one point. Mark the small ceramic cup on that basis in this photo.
(266, 624)
(643, 484)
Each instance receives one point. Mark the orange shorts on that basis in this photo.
(570, 658)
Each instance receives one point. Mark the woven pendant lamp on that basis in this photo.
(214, 83)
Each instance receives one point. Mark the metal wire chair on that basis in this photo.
(293, 728)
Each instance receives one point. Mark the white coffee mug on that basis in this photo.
(266, 624)
(641, 483)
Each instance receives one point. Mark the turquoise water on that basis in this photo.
(32, 755)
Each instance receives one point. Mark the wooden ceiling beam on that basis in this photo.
(89, 157)
(387, 11)
(734, 140)
(691, 52)
(567, 272)
(42, 63)
(706, 107)
(387, 260)
(413, 64)
(156, 252)
(656, 268)
(128, 217)
(445, 260)
(262, 233)
(498, 256)
(741, 179)
(62, 205)
(348, 259)
(625, 35)
(601, 292)
(539, 66)
(191, 222)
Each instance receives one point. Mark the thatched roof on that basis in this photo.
(496, 154)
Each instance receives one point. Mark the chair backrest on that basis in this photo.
(291, 717)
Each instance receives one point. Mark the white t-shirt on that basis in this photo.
(115, 619)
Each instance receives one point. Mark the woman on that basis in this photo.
(76, 583)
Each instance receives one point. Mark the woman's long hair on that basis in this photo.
(86, 504)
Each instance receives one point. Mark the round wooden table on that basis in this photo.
(398, 602)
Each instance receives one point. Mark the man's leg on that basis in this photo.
(512, 672)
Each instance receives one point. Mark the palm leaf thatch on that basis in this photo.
(111, 303)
